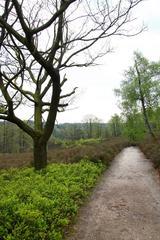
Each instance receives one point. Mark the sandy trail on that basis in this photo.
(125, 205)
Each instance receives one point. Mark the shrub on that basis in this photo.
(151, 149)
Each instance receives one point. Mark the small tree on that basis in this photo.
(115, 125)
(39, 39)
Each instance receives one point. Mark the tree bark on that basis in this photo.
(40, 154)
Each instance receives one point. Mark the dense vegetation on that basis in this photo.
(38, 205)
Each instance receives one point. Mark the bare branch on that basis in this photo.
(69, 94)
(63, 8)
(21, 17)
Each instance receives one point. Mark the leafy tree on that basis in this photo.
(38, 41)
(134, 127)
(115, 125)
(140, 91)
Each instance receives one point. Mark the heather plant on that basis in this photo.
(151, 150)
(104, 150)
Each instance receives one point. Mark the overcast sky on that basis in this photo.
(95, 84)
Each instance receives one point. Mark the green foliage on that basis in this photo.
(81, 142)
(115, 126)
(134, 127)
(140, 98)
(39, 205)
(88, 141)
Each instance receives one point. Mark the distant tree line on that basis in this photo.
(13, 139)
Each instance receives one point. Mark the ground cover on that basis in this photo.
(39, 205)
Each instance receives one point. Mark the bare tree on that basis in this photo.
(39, 40)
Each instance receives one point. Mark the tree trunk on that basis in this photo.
(40, 154)
(142, 98)
(4, 137)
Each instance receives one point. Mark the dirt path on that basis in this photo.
(125, 205)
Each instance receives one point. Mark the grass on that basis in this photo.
(39, 205)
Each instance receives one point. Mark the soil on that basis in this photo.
(126, 203)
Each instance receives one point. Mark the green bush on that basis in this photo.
(39, 205)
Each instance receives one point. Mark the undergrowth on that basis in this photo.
(152, 151)
(93, 149)
(39, 205)
(103, 150)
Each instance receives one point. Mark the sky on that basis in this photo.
(95, 93)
